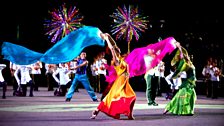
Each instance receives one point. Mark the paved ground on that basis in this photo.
(44, 109)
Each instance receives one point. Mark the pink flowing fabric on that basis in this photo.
(135, 59)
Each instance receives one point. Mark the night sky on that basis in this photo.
(197, 26)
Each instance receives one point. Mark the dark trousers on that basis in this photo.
(50, 81)
(151, 85)
(61, 91)
(94, 83)
(208, 84)
(13, 83)
(23, 89)
(102, 82)
(4, 86)
(158, 88)
(37, 79)
(215, 85)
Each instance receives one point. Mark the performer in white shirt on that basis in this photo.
(101, 70)
(63, 79)
(151, 79)
(215, 80)
(159, 74)
(50, 68)
(207, 76)
(24, 80)
(94, 77)
(13, 82)
(174, 83)
(3, 83)
(36, 74)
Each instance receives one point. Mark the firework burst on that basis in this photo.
(128, 22)
(63, 22)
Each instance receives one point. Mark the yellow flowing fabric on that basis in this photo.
(121, 97)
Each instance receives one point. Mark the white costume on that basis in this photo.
(63, 79)
(100, 66)
(63, 75)
(36, 74)
(72, 66)
(2, 66)
(101, 70)
(2, 81)
(24, 74)
(36, 68)
(24, 79)
(177, 81)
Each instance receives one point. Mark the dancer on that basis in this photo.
(102, 73)
(50, 69)
(62, 80)
(136, 61)
(81, 76)
(143, 61)
(121, 97)
(3, 83)
(24, 80)
(36, 74)
(151, 79)
(94, 78)
(184, 100)
(174, 82)
(215, 73)
(160, 71)
(207, 76)
(13, 82)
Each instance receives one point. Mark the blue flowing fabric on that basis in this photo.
(19, 54)
(64, 50)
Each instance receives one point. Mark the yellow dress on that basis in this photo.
(121, 97)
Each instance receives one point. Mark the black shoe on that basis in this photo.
(154, 104)
(159, 95)
(67, 99)
(36, 89)
(3, 97)
(55, 92)
(31, 95)
(165, 111)
(150, 104)
(18, 93)
(95, 100)
(50, 90)
(166, 97)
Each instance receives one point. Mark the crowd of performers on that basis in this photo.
(212, 77)
(56, 75)
(66, 65)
